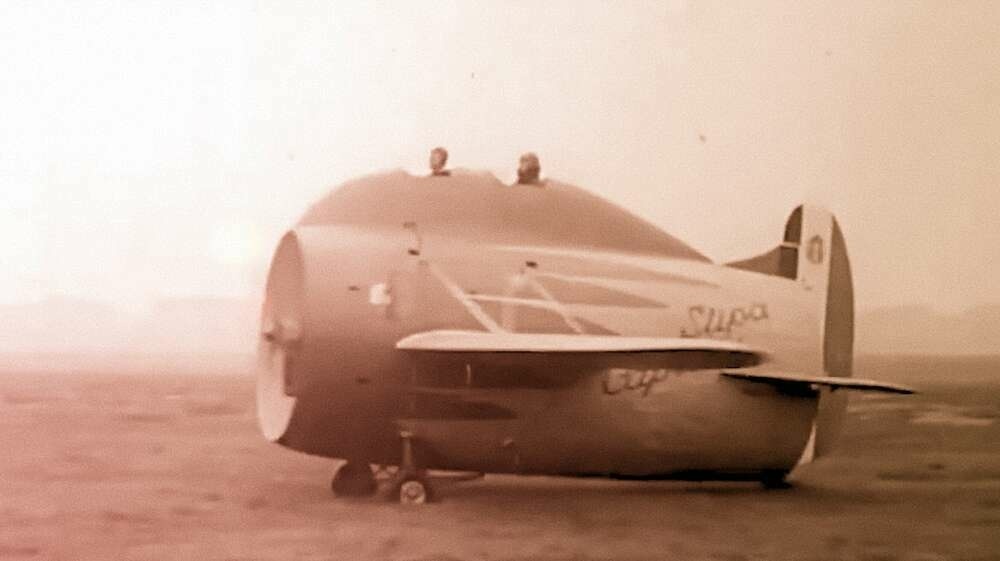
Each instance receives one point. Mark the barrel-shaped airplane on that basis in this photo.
(454, 322)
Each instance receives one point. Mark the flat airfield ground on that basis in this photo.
(144, 464)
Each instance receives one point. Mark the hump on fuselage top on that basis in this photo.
(479, 208)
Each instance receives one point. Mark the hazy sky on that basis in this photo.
(159, 149)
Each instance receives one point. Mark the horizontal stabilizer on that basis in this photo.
(834, 383)
(491, 342)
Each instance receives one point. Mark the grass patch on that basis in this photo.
(146, 417)
(13, 551)
(118, 517)
(905, 474)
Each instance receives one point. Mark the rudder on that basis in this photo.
(814, 253)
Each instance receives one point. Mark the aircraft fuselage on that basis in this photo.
(342, 389)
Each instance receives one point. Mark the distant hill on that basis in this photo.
(196, 326)
(174, 326)
(61, 325)
(921, 330)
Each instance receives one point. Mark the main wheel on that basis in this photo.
(414, 491)
(354, 479)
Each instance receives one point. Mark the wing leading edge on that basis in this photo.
(454, 341)
(490, 342)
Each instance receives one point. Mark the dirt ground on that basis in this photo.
(150, 465)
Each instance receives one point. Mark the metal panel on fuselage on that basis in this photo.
(690, 420)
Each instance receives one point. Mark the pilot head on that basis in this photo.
(439, 157)
(529, 169)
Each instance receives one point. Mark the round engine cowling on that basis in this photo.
(280, 337)
(327, 338)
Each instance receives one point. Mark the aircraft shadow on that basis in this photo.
(514, 489)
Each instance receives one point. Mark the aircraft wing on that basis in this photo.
(504, 342)
(785, 379)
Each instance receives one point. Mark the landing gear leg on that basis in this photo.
(775, 479)
(410, 484)
(354, 479)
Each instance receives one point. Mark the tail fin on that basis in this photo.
(814, 254)
(803, 253)
(814, 245)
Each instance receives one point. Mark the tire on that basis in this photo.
(414, 491)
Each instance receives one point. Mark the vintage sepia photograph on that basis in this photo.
(500, 280)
